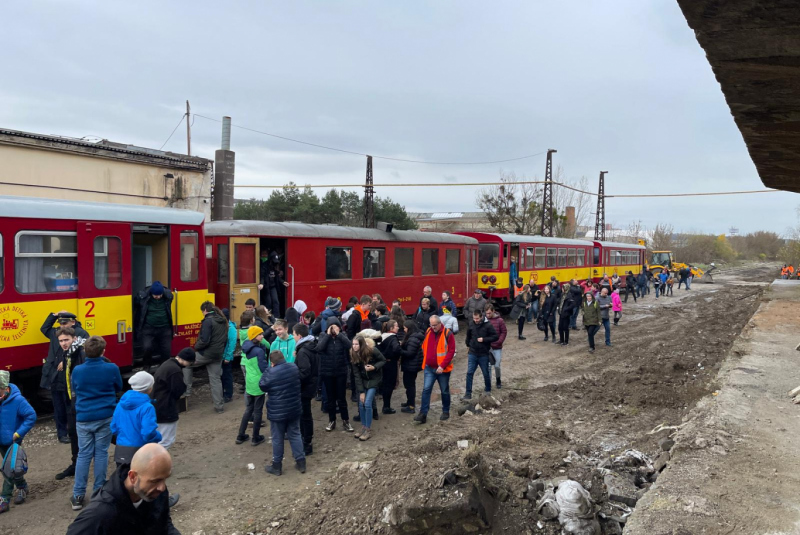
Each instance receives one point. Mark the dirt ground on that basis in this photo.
(562, 413)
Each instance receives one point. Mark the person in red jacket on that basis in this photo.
(438, 351)
(499, 325)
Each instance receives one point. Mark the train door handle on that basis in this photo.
(121, 332)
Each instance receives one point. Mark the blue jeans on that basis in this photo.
(279, 431)
(430, 377)
(533, 312)
(227, 379)
(472, 365)
(607, 328)
(657, 288)
(498, 357)
(365, 409)
(573, 321)
(93, 441)
(688, 283)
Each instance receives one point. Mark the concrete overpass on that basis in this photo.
(753, 47)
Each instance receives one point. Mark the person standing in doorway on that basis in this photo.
(270, 281)
(155, 323)
(210, 348)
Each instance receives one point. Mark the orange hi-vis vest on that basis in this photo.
(441, 349)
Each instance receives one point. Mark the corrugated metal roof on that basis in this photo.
(304, 230)
(517, 238)
(36, 208)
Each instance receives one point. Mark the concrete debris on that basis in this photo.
(666, 444)
(488, 401)
(462, 444)
(354, 466)
(633, 458)
(576, 514)
(547, 507)
(662, 461)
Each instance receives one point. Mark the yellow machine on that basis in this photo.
(661, 260)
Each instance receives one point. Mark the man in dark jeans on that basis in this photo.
(155, 323)
(307, 361)
(53, 374)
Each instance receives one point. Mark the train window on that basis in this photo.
(189, 261)
(529, 258)
(452, 261)
(46, 262)
(617, 258)
(403, 262)
(596, 256)
(209, 251)
(581, 257)
(374, 263)
(488, 255)
(562, 257)
(552, 255)
(338, 263)
(223, 262)
(540, 254)
(244, 263)
(430, 261)
(107, 263)
(2, 279)
(571, 257)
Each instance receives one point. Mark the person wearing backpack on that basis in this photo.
(307, 362)
(17, 417)
(255, 362)
(134, 420)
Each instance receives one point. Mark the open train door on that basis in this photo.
(104, 292)
(244, 273)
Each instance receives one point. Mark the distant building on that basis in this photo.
(452, 221)
(36, 165)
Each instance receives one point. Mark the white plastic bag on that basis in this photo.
(576, 516)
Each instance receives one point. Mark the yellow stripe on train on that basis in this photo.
(542, 276)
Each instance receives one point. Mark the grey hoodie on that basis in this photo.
(605, 305)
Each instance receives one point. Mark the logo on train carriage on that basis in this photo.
(13, 323)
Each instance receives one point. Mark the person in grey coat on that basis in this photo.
(476, 302)
(604, 300)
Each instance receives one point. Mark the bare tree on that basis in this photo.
(510, 206)
(563, 197)
(662, 238)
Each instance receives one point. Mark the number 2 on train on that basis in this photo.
(90, 312)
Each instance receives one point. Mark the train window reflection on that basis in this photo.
(374, 263)
(338, 263)
(529, 258)
(403, 262)
(430, 261)
(189, 260)
(488, 255)
(107, 263)
(581, 257)
(562, 258)
(540, 254)
(552, 254)
(46, 262)
(571, 258)
(452, 261)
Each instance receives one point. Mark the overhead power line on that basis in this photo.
(173, 131)
(355, 153)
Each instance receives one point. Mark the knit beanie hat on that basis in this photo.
(157, 288)
(333, 303)
(141, 381)
(226, 313)
(187, 354)
(254, 331)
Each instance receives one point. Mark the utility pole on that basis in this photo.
(188, 130)
(369, 192)
(547, 201)
(600, 216)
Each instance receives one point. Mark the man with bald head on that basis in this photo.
(133, 501)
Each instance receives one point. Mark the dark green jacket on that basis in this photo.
(366, 380)
(591, 313)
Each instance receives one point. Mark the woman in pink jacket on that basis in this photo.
(616, 306)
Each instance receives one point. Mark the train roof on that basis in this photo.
(305, 230)
(38, 208)
(620, 244)
(518, 238)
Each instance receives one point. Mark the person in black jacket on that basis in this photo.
(423, 316)
(381, 317)
(480, 336)
(71, 354)
(53, 377)
(281, 383)
(547, 312)
(576, 294)
(630, 286)
(307, 361)
(427, 293)
(134, 501)
(210, 347)
(154, 325)
(565, 316)
(271, 280)
(389, 346)
(334, 366)
(411, 363)
(167, 390)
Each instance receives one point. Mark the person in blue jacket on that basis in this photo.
(227, 358)
(134, 420)
(16, 419)
(281, 383)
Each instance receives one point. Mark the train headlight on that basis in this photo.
(492, 279)
(484, 279)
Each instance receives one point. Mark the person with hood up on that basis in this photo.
(565, 316)
(332, 307)
(307, 362)
(255, 363)
(53, 376)
(367, 362)
(210, 348)
(134, 420)
(448, 303)
(17, 417)
(591, 316)
(167, 390)
(499, 326)
(448, 320)
(410, 363)
(519, 311)
(424, 314)
(134, 501)
(334, 348)
(476, 302)
(295, 313)
(389, 346)
(480, 336)
(605, 302)
(281, 383)
(227, 358)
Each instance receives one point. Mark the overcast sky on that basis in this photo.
(620, 86)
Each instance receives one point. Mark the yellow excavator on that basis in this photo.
(663, 260)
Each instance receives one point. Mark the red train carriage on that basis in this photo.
(91, 259)
(325, 260)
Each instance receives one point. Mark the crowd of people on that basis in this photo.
(366, 346)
